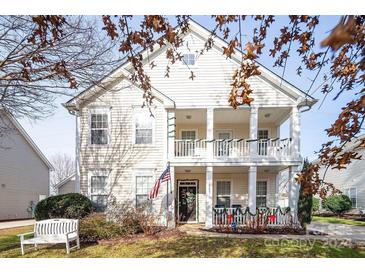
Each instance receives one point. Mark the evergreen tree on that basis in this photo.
(305, 203)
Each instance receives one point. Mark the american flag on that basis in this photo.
(165, 176)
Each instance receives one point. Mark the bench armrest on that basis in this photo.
(24, 234)
(71, 232)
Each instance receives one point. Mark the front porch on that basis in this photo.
(215, 195)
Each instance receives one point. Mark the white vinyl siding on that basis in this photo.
(213, 79)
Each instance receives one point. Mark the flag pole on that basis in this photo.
(167, 197)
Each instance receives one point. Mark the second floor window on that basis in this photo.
(99, 127)
(143, 128)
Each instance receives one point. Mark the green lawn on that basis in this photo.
(336, 220)
(180, 246)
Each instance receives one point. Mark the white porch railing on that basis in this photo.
(273, 147)
(232, 148)
(272, 217)
(190, 148)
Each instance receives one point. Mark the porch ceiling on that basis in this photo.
(273, 115)
(228, 169)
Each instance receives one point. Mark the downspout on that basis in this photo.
(77, 153)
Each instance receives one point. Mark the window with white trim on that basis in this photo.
(224, 194)
(99, 126)
(261, 194)
(188, 134)
(143, 124)
(144, 184)
(189, 59)
(352, 194)
(99, 189)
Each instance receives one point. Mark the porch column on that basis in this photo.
(253, 130)
(210, 132)
(171, 130)
(252, 177)
(293, 189)
(209, 197)
(277, 189)
(295, 132)
(171, 222)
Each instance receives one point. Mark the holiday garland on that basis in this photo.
(259, 211)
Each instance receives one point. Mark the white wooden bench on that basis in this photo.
(53, 231)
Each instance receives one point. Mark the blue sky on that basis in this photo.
(56, 134)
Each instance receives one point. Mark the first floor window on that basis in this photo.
(351, 193)
(144, 185)
(143, 128)
(99, 127)
(99, 195)
(261, 193)
(224, 194)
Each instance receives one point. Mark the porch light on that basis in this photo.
(188, 117)
(187, 170)
(267, 115)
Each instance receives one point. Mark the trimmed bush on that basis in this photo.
(316, 203)
(337, 204)
(71, 205)
(96, 227)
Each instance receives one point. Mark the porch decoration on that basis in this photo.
(235, 218)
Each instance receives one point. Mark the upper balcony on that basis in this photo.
(227, 135)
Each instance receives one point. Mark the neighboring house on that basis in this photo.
(24, 171)
(351, 181)
(67, 185)
(219, 157)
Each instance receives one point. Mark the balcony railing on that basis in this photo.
(232, 148)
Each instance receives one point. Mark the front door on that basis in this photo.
(187, 201)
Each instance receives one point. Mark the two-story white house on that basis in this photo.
(219, 157)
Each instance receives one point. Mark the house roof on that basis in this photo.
(66, 180)
(122, 72)
(29, 140)
(349, 146)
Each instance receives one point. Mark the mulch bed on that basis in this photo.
(163, 234)
(267, 230)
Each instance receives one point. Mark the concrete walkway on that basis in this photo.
(12, 224)
(196, 230)
(355, 233)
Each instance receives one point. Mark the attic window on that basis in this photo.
(189, 59)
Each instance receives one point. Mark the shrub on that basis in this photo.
(72, 205)
(316, 203)
(96, 227)
(305, 206)
(132, 220)
(337, 204)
